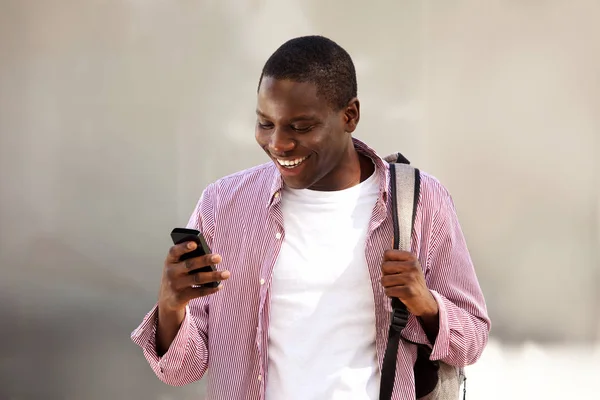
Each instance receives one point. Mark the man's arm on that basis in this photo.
(175, 339)
(461, 326)
(186, 359)
(168, 325)
(431, 324)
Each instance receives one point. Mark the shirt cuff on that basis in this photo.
(415, 333)
(449, 319)
(145, 337)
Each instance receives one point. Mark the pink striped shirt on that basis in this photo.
(227, 332)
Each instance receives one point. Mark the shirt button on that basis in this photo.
(260, 377)
(262, 281)
(278, 235)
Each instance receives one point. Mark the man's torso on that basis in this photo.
(322, 321)
(247, 228)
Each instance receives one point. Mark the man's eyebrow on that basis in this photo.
(304, 117)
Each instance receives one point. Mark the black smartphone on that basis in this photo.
(180, 235)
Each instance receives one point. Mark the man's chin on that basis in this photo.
(295, 178)
(294, 183)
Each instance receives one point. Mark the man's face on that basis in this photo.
(301, 132)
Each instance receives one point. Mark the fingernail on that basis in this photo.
(225, 274)
(191, 245)
(214, 258)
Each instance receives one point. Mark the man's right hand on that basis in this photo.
(178, 287)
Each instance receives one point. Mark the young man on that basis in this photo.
(303, 249)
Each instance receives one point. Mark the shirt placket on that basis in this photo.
(275, 236)
(375, 246)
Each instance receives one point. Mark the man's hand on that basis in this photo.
(403, 278)
(179, 286)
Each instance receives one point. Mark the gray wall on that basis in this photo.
(115, 114)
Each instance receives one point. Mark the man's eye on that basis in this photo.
(265, 126)
(302, 128)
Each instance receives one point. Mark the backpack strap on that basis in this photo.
(405, 182)
(404, 188)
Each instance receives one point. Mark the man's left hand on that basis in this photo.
(403, 278)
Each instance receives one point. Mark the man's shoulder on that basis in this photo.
(256, 179)
(433, 195)
(432, 184)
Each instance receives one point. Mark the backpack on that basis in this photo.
(434, 380)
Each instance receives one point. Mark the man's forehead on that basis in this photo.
(270, 86)
(287, 96)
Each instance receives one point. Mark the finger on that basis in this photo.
(403, 293)
(397, 280)
(398, 255)
(202, 261)
(184, 268)
(397, 267)
(202, 278)
(176, 251)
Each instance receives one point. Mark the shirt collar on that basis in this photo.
(381, 169)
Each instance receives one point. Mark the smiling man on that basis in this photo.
(302, 244)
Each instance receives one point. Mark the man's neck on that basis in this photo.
(354, 169)
(366, 166)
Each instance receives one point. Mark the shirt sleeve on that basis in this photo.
(450, 275)
(186, 360)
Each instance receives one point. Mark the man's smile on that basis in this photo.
(290, 163)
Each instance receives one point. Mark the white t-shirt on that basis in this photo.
(322, 328)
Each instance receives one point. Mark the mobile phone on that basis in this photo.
(181, 235)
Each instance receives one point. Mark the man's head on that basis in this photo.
(306, 111)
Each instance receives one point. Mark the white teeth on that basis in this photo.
(291, 163)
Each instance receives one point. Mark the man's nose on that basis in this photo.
(281, 142)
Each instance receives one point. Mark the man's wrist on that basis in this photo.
(170, 313)
(430, 319)
(430, 309)
(168, 324)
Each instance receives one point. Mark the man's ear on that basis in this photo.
(352, 115)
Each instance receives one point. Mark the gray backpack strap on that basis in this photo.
(404, 192)
(433, 380)
(405, 183)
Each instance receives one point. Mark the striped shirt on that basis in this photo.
(227, 333)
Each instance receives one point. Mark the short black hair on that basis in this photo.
(317, 60)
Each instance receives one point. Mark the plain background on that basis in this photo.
(114, 115)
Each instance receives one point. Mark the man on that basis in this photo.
(302, 245)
